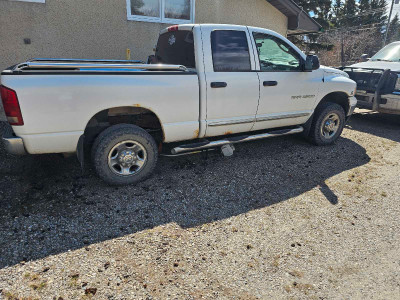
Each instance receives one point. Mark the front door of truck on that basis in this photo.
(287, 93)
(232, 84)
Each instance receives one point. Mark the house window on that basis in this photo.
(35, 1)
(161, 11)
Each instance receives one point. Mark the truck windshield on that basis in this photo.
(389, 53)
(176, 48)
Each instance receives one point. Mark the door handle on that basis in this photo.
(270, 83)
(217, 85)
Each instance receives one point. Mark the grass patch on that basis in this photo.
(38, 287)
(296, 273)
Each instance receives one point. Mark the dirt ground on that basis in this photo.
(282, 219)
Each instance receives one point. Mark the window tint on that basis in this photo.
(176, 48)
(275, 54)
(230, 51)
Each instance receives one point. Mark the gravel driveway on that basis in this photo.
(2, 115)
(282, 219)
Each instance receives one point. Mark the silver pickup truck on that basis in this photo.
(210, 86)
(378, 80)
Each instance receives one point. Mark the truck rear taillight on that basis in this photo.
(173, 28)
(11, 106)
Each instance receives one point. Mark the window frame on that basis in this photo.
(299, 56)
(31, 1)
(248, 46)
(161, 19)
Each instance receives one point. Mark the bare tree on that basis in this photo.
(347, 46)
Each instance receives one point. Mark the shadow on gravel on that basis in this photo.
(47, 206)
(382, 125)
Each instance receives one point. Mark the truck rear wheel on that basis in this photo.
(328, 124)
(124, 154)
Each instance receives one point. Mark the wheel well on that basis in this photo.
(139, 116)
(340, 98)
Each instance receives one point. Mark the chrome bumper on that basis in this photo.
(12, 143)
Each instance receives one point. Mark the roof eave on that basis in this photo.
(298, 20)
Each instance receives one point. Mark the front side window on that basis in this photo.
(161, 11)
(230, 51)
(275, 55)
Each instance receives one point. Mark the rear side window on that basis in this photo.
(230, 51)
(176, 48)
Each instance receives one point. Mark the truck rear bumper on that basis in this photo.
(12, 143)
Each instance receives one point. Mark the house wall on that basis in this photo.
(100, 29)
(257, 13)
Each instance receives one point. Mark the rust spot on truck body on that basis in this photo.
(136, 105)
(196, 134)
(228, 133)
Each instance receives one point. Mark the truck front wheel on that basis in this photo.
(124, 154)
(328, 124)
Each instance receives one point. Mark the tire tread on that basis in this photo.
(320, 113)
(115, 133)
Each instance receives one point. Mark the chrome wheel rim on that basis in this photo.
(330, 125)
(127, 158)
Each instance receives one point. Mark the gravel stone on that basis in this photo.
(281, 219)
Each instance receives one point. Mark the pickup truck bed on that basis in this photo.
(95, 87)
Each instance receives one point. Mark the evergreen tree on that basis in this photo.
(349, 14)
(337, 12)
(394, 30)
(377, 15)
(364, 8)
(356, 26)
(321, 10)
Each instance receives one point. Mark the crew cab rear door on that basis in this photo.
(287, 93)
(232, 84)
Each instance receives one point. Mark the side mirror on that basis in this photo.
(312, 63)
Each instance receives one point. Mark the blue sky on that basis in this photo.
(396, 8)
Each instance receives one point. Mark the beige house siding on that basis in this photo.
(100, 29)
(241, 12)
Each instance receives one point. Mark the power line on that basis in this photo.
(372, 25)
(363, 13)
(366, 13)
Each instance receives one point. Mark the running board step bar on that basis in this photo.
(234, 140)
